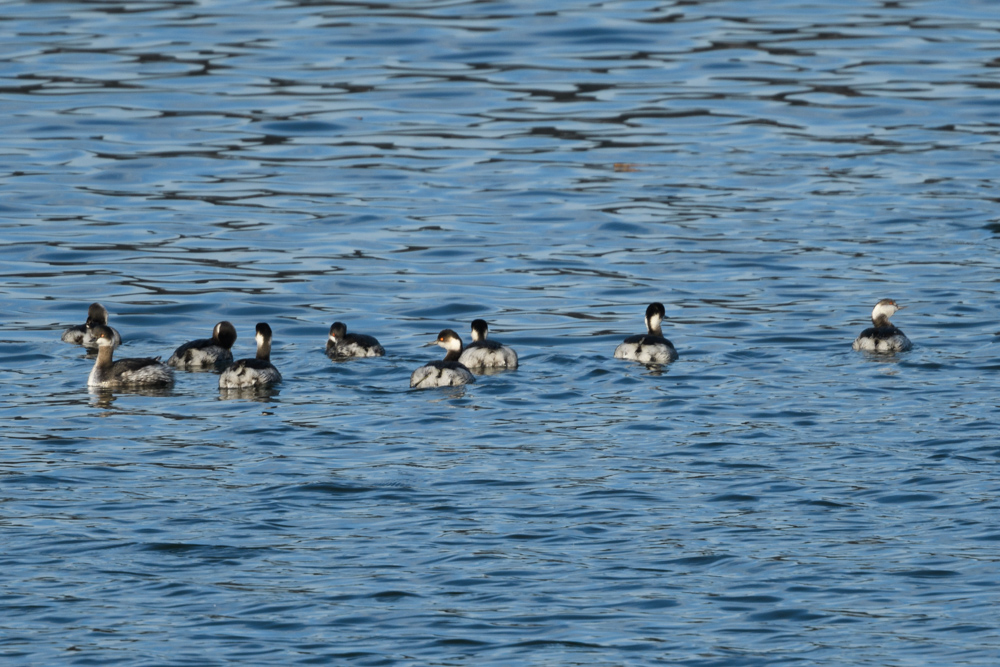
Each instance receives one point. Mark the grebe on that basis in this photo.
(207, 351)
(342, 345)
(483, 353)
(882, 336)
(124, 372)
(257, 372)
(448, 372)
(652, 347)
(81, 334)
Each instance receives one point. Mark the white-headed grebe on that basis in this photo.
(124, 372)
(652, 347)
(446, 373)
(882, 336)
(257, 372)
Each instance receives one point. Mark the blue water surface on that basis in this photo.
(768, 171)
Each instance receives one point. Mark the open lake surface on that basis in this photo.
(767, 170)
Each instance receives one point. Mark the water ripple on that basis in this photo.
(767, 171)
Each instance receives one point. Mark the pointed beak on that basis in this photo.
(899, 307)
(428, 344)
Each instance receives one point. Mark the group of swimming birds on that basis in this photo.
(455, 369)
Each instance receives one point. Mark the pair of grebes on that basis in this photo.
(455, 369)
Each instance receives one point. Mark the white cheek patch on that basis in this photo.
(883, 309)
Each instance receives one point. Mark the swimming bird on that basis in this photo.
(446, 373)
(124, 372)
(483, 353)
(342, 345)
(256, 372)
(882, 336)
(652, 347)
(207, 351)
(81, 334)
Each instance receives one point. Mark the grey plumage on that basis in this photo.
(256, 372)
(108, 373)
(448, 372)
(206, 351)
(81, 334)
(883, 336)
(651, 347)
(343, 345)
(485, 353)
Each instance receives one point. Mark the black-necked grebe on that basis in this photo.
(652, 347)
(207, 351)
(342, 345)
(81, 334)
(446, 373)
(257, 372)
(124, 372)
(882, 336)
(483, 353)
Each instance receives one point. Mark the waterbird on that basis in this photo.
(82, 334)
(343, 345)
(483, 353)
(256, 372)
(124, 372)
(207, 351)
(447, 372)
(651, 347)
(882, 336)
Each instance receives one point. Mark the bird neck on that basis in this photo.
(104, 354)
(881, 320)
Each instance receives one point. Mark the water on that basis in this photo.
(766, 170)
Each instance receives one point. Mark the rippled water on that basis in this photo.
(767, 170)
